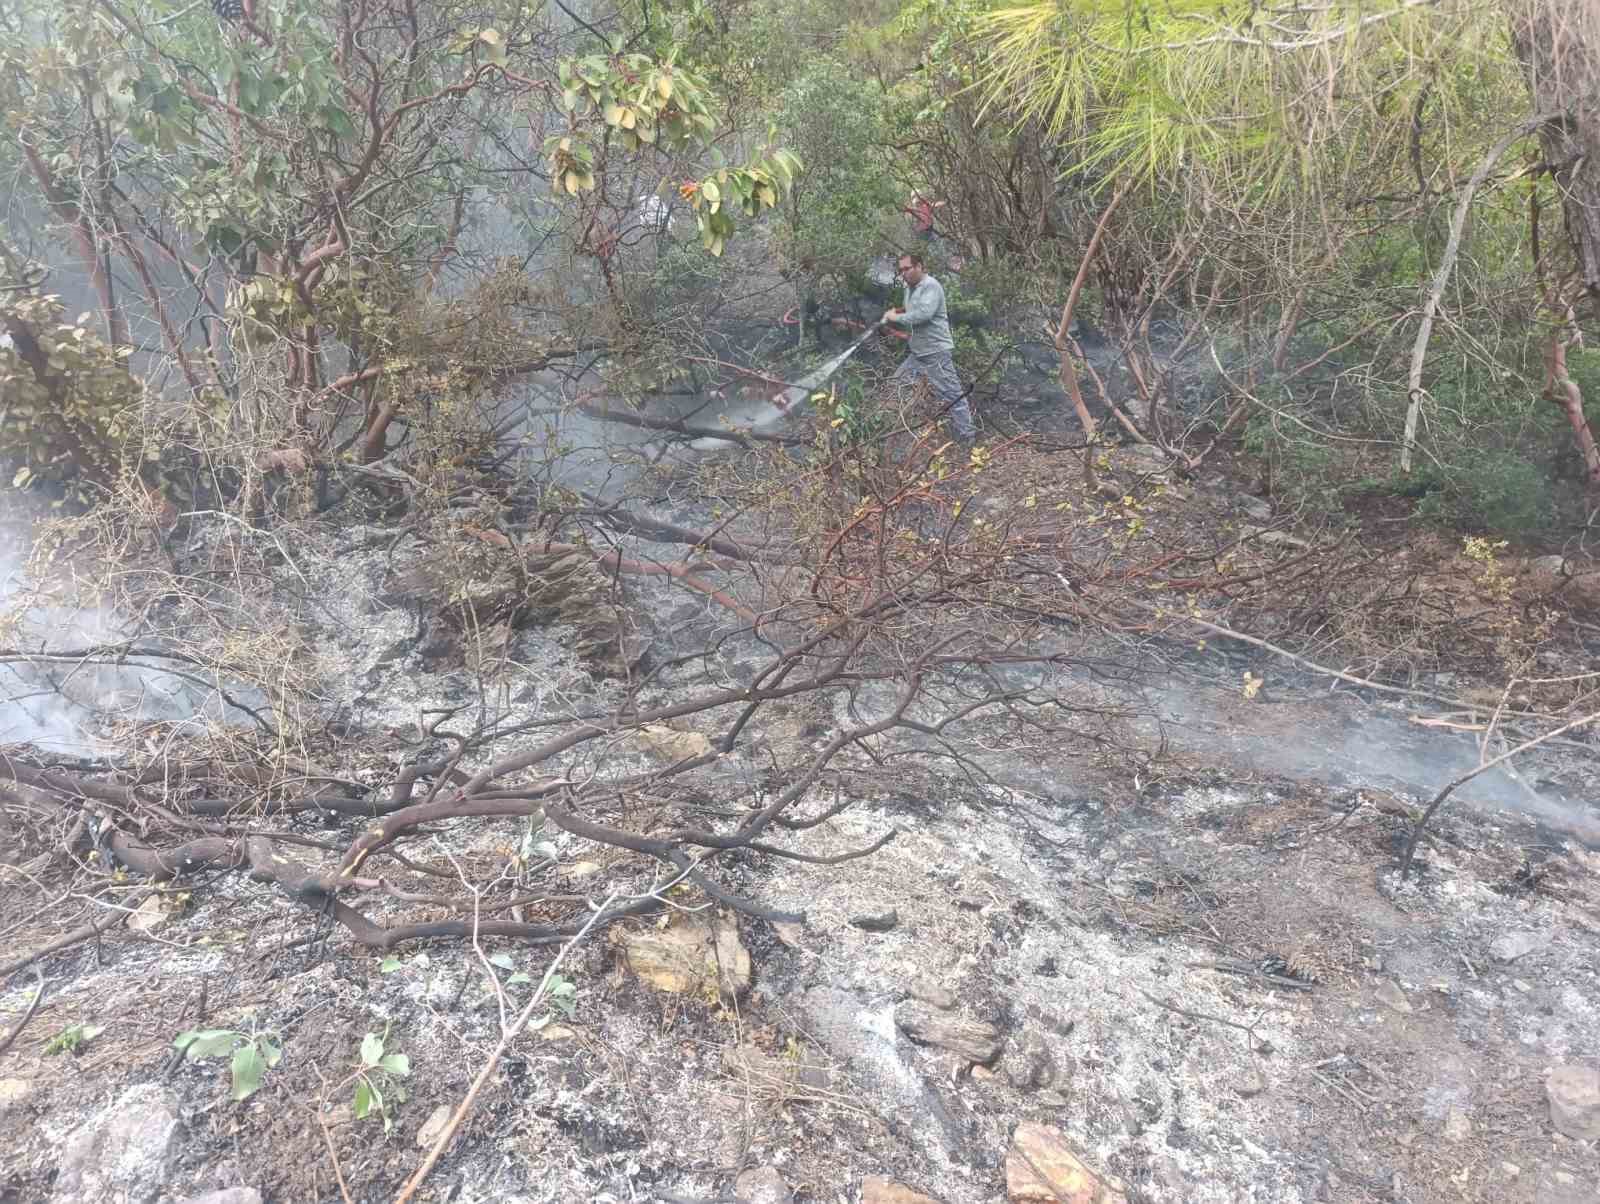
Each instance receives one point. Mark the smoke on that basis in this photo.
(66, 706)
(1310, 734)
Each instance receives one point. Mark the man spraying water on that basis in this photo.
(931, 345)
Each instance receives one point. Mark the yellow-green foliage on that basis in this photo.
(67, 400)
(1152, 91)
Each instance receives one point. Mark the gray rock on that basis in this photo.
(877, 922)
(124, 1153)
(1032, 1067)
(971, 1039)
(228, 1195)
(429, 1132)
(1574, 1093)
(763, 1185)
(1554, 566)
(1253, 506)
(1509, 946)
(1249, 1083)
(1283, 539)
(933, 994)
(1390, 994)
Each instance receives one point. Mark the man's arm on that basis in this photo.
(923, 305)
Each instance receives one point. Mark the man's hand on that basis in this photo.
(888, 314)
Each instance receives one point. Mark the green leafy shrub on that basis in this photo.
(69, 405)
(1497, 491)
(831, 220)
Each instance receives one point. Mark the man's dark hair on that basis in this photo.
(916, 260)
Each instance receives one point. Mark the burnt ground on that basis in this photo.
(1201, 966)
(1112, 930)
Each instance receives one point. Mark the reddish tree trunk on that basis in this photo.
(1563, 390)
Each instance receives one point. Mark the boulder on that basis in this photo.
(1042, 1169)
(123, 1153)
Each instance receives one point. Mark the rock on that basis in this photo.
(789, 934)
(150, 915)
(881, 921)
(672, 744)
(1457, 1125)
(1283, 539)
(1389, 993)
(123, 1153)
(433, 1127)
(1509, 946)
(14, 1092)
(1253, 506)
(227, 1195)
(971, 1039)
(551, 1033)
(1042, 1169)
(1139, 458)
(583, 869)
(1033, 1067)
(1250, 1083)
(933, 994)
(1574, 1093)
(691, 954)
(763, 1185)
(877, 1190)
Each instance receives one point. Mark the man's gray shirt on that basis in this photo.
(925, 317)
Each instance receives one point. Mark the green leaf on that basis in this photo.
(248, 1067)
(518, 979)
(271, 1051)
(338, 122)
(503, 960)
(209, 1043)
(389, 965)
(396, 1063)
(371, 1049)
(364, 1098)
